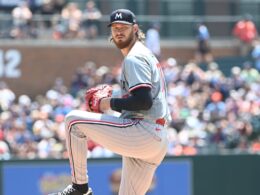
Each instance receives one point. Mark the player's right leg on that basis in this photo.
(136, 177)
(70, 190)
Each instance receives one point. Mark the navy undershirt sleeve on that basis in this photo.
(140, 99)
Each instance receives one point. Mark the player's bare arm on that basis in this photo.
(105, 104)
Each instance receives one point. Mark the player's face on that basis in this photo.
(123, 34)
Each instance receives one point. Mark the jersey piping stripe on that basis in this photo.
(119, 125)
(140, 85)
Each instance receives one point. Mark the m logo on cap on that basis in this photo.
(123, 16)
(118, 15)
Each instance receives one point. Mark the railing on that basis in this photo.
(177, 17)
(172, 27)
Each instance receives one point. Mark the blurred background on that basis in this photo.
(51, 51)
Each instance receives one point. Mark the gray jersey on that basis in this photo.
(142, 69)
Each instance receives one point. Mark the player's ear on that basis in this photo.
(136, 27)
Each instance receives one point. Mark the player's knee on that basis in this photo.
(70, 117)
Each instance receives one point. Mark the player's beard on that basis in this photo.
(124, 44)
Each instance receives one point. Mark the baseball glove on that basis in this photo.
(94, 95)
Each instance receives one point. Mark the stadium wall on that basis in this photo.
(32, 67)
(198, 175)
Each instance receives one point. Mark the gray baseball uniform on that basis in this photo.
(139, 136)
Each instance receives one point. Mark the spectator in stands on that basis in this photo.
(246, 32)
(256, 54)
(91, 17)
(70, 23)
(7, 96)
(171, 69)
(5, 152)
(255, 146)
(249, 74)
(216, 107)
(213, 74)
(83, 78)
(203, 52)
(48, 9)
(236, 81)
(153, 39)
(22, 21)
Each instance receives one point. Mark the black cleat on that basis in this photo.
(69, 190)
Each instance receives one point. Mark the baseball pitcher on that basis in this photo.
(139, 134)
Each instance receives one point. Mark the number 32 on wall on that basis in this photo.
(9, 63)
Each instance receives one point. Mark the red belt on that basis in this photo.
(159, 121)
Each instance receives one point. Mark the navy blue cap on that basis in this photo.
(123, 16)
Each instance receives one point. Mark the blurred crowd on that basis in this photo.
(56, 18)
(210, 112)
